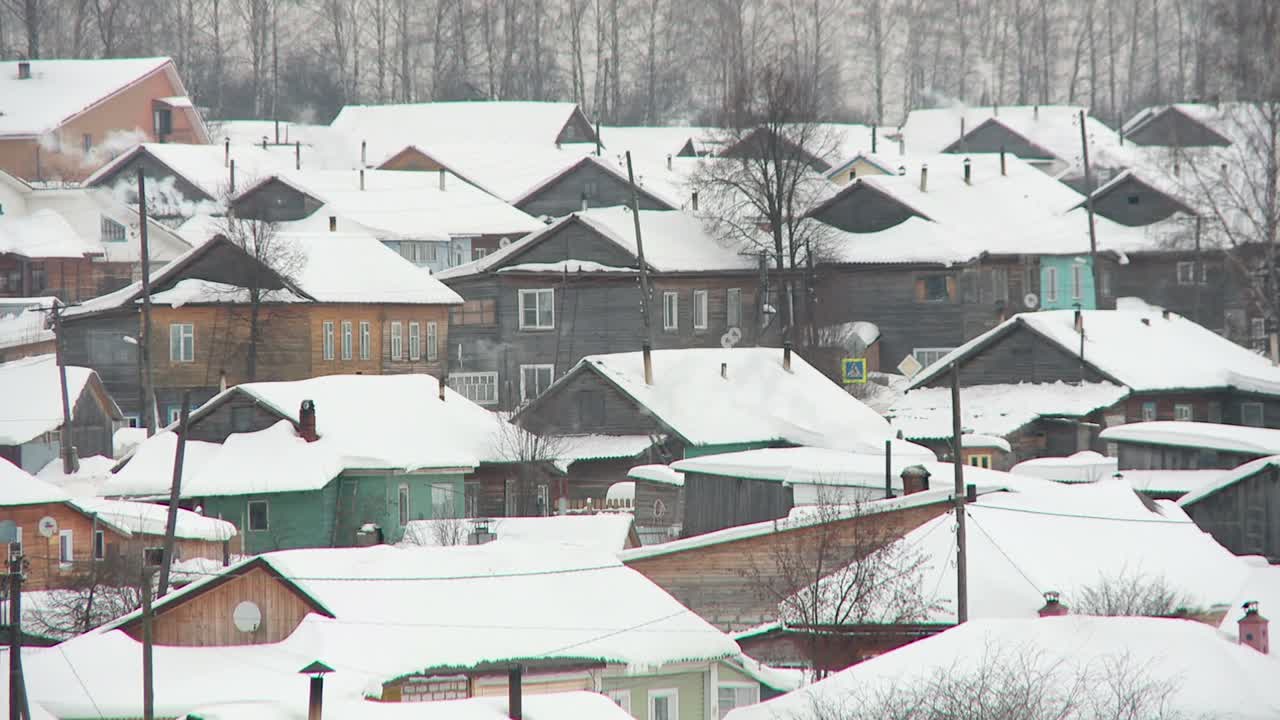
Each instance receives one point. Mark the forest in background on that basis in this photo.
(656, 62)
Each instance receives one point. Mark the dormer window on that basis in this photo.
(112, 231)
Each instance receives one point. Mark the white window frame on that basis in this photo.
(174, 414)
(248, 516)
(670, 310)
(397, 340)
(19, 538)
(448, 493)
(99, 545)
(1155, 411)
(346, 339)
(673, 703)
(66, 548)
(733, 307)
(621, 698)
(1184, 412)
(1262, 414)
(415, 341)
(366, 339)
(433, 341)
(536, 368)
(463, 382)
(719, 711)
(935, 353)
(327, 341)
(701, 309)
(537, 294)
(1050, 289)
(1077, 281)
(402, 504)
(1186, 272)
(182, 342)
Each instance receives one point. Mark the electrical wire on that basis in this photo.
(1086, 517)
(80, 680)
(999, 549)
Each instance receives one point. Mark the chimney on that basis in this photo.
(443, 175)
(1035, 112)
(924, 178)
(961, 134)
(364, 153)
(515, 693)
(1079, 321)
(1253, 629)
(297, 155)
(786, 356)
(307, 421)
(441, 390)
(480, 532)
(648, 363)
(226, 152)
(873, 139)
(724, 370)
(333, 223)
(233, 176)
(1165, 313)
(24, 70)
(968, 172)
(693, 200)
(1053, 606)
(315, 702)
(1003, 170)
(362, 178)
(902, 144)
(264, 142)
(915, 478)
(668, 161)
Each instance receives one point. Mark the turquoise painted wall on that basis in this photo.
(1057, 283)
(694, 451)
(294, 519)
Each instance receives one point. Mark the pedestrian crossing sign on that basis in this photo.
(853, 371)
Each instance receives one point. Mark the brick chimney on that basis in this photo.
(915, 478)
(24, 70)
(1053, 606)
(307, 421)
(1253, 629)
(786, 356)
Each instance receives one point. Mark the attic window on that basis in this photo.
(112, 231)
(1132, 199)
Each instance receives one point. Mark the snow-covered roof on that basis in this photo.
(1170, 481)
(149, 470)
(86, 481)
(1083, 658)
(323, 146)
(1083, 466)
(1261, 585)
(606, 532)
(148, 519)
(19, 487)
(43, 234)
(812, 466)
(1228, 478)
(58, 90)
(577, 705)
(652, 143)
(573, 448)
(998, 409)
(32, 395)
(275, 459)
(758, 401)
(1129, 348)
(1213, 436)
(22, 321)
(661, 474)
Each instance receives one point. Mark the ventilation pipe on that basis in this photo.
(668, 161)
(297, 155)
(724, 370)
(693, 199)
(968, 172)
(24, 70)
(364, 152)
(362, 178)
(515, 693)
(1003, 168)
(307, 421)
(233, 176)
(333, 223)
(924, 178)
(1035, 112)
(873, 139)
(441, 396)
(226, 152)
(442, 179)
(647, 352)
(786, 356)
(1079, 321)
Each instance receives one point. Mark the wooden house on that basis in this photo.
(1185, 445)
(31, 416)
(23, 327)
(64, 539)
(1241, 509)
(64, 118)
(535, 308)
(1200, 376)
(1182, 125)
(317, 317)
(1136, 198)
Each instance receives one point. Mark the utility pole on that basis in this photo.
(1088, 205)
(148, 679)
(962, 562)
(644, 269)
(175, 493)
(144, 347)
(70, 464)
(17, 685)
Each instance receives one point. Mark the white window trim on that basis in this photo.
(735, 686)
(403, 508)
(701, 305)
(1050, 288)
(1190, 267)
(536, 294)
(456, 379)
(1257, 328)
(1077, 281)
(346, 339)
(1155, 411)
(671, 321)
(248, 516)
(733, 307)
(1178, 413)
(1262, 414)
(99, 541)
(415, 341)
(397, 340)
(433, 341)
(941, 351)
(327, 341)
(69, 557)
(673, 693)
(366, 339)
(535, 368)
(185, 331)
(621, 698)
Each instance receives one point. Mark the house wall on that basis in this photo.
(718, 580)
(691, 686)
(560, 412)
(1245, 517)
(714, 502)
(1064, 295)
(380, 319)
(659, 511)
(1134, 203)
(205, 620)
(295, 519)
(92, 427)
(70, 279)
(275, 201)
(831, 652)
(239, 413)
(410, 159)
(1174, 129)
(1138, 456)
(1154, 278)
(992, 137)
(99, 343)
(863, 209)
(1218, 406)
(1020, 356)
(373, 497)
(565, 194)
(125, 177)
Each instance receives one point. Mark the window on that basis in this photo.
(402, 498)
(258, 519)
(1148, 411)
(1077, 281)
(346, 339)
(1214, 411)
(152, 556)
(99, 545)
(66, 547)
(536, 309)
(111, 231)
(365, 340)
(1257, 328)
(86, 142)
(730, 696)
(1186, 273)
(477, 253)
(699, 309)
(1251, 414)
(442, 501)
(397, 340)
(1104, 277)
(1132, 199)
(173, 414)
(328, 339)
(1183, 411)
(591, 408)
(589, 189)
(664, 704)
(982, 461)
(473, 312)
(164, 121)
(415, 341)
(1050, 289)
(433, 346)
(670, 310)
(733, 307)
(182, 342)
(480, 388)
(621, 698)
(534, 379)
(928, 356)
(133, 421)
(933, 288)
(18, 540)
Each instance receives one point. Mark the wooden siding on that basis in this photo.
(1020, 356)
(991, 136)
(276, 201)
(205, 620)
(125, 177)
(1245, 517)
(1154, 277)
(93, 426)
(560, 412)
(294, 519)
(99, 343)
(714, 502)
(1172, 128)
(864, 209)
(564, 195)
(238, 413)
(659, 511)
(1134, 203)
(577, 241)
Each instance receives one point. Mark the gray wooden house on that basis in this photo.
(1179, 125)
(1242, 509)
(1135, 199)
(31, 415)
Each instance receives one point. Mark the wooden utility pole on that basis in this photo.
(17, 685)
(1088, 205)
(644, 269)
(148, 679)
(144, 344)
(175, 493)
(962, 562)
(69, 462)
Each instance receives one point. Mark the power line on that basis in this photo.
(1086, 517)
(80, 680)
(370, 578)
(1006, 556)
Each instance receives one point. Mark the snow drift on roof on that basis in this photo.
(43, 234)
(1171, 481)
(149, 471)
(1229, 478)
(1214, 436)
(60, 89)
(18, 487)
(998, 409)
(1084, 466)
(578, 705)
(32, 394)
(807, 465)
(606, 532)
(22, 321)
(674, 240)
(573, 448)
(149, 519)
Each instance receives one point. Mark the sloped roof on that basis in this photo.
(208, 167)
(1216, 436)
(1229, 478)
(606, 532)
(1144, 351)
(576, 705)
(32, 393)
(149, 519)
(43, 234)
(18, 487)
(22, 321)
(997, 409)
(809, 465)
(58, 90)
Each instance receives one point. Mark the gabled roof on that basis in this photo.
(32, 396)
(59, 90)
(1054, 129)
(998, 409)
(599, 164)
(608, 532)
(1144, 351)
(18, 487)
(809, 465)
(1187, 434)
(1214, 118)
(206, 167)
(1143, 179)
(22, 321)
(1229, 478)
(43, 234)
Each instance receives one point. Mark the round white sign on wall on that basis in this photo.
(48, 527)
(247, 617)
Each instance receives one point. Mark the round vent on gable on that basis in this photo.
(1031, 300)
(247, 617)
(47, 527)
(504, 242)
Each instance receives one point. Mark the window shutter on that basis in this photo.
(951, 288)
(921, 291)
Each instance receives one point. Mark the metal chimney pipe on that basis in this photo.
(297, 155)
(873, 139)
(362, 178)
(924, 178)
(786, 356)
(647, 352)
(441, 390)
(233, 176)
(585, 202)
(968, 172)
(442, 179)
(226, 152)
(333, 223)
(1003, 171)
(693, 199)
(315, 704)
(724, 370)
(364, 150)
(24, 70)
(515, 694)
(668, 161)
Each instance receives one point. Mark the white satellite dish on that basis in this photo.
(247, 617)
(1031, 300)
(730, 338)
(504, 242)
(47, 527)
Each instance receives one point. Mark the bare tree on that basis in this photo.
(529, 457)
(88, 599)
(1129, 593)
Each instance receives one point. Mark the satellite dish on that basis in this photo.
(48, 527)
(731, 337)
(1031, 300)
(247, 617)
(504, 242)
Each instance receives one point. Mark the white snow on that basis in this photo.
(661, 474)
(578, 705)
(148, 519)
(32, 395)
(997, 409)
(1214, 436)
(196, 291)
(86, 482)
(1171, 481)
(19, 487)
(1084, 466)
(1208, 675)
(1261, 585)
(149, 471)
(272, 460)
(22, 321)
(567, 266)
(43, 234)
(61, 89)
(573, 448)
(606, 532)
(1227, 478)
(810, 466)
